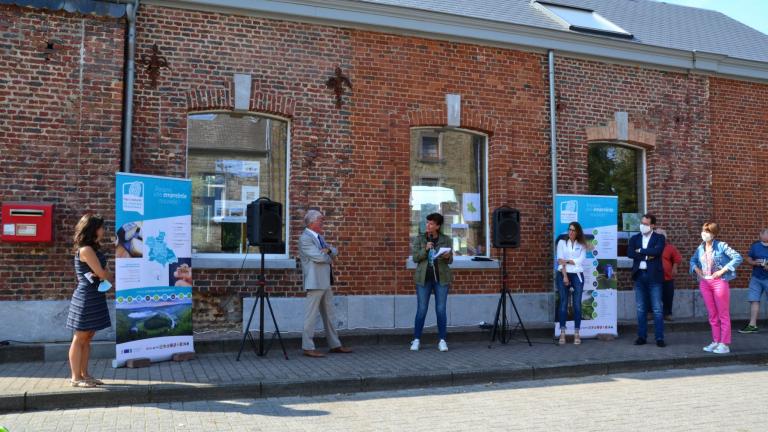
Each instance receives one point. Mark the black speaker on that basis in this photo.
(264, 222)
(506, 228)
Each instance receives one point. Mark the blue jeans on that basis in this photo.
(577, 283)
(647, 289)
(441, 298)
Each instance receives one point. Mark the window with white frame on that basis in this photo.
(429, 147)
(616, 169)
(232, 160)
(449, 176)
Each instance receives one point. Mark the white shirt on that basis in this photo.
(317, 236)
(571, 250)
(646, 239)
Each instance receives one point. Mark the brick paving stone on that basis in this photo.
(466, 362)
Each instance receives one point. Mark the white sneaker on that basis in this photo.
(442, 346)
(711, 347)
(721, 349)
(415, 345)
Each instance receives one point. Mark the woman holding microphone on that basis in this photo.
(432, 275)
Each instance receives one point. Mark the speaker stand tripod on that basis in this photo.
(500, 323)
(261, 298)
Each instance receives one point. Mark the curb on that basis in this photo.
(157, 393)
(105, 349)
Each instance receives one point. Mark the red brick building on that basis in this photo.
(686, 115)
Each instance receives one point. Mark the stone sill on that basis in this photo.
(467, 264)
(234, 262)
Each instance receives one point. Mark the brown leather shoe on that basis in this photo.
(313, 353)
(341, 350)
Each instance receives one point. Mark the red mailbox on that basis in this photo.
(27, 222)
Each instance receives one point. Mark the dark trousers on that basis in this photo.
(667, 295)
(647, 287)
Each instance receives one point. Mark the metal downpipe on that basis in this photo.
(553, 150)
(130, 72)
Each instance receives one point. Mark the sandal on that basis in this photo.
(93, 380)
(576, 338)
(562, 338)
(82, 384)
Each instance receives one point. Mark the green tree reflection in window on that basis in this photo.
(617, 170)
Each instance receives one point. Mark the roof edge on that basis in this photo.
(436, 25)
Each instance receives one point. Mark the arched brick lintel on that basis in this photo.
(469, 120)
(219, 98)
(611, 133)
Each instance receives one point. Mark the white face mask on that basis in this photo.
(707, 237)
(645, 229)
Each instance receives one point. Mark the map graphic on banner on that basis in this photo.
(597, 215)
(153, 267)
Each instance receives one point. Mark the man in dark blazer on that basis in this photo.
(645, 249)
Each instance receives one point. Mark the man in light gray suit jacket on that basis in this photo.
(316, 268)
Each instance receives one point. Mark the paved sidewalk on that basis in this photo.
(44, 385)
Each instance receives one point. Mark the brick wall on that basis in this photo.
(60, 118)
(353, 162)
(739, 137)
(401, 82)
(674, 107)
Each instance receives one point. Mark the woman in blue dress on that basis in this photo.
(88, 310)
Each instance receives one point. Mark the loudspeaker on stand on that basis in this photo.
(264, 222)
(506, 228)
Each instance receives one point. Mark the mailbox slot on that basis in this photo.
(26, 212)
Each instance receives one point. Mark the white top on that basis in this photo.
(646, 239)
(313, 233)
(571, 250)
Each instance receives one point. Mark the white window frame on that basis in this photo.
(439, 137)
(213, 260)
(466, 261)
(622, 259)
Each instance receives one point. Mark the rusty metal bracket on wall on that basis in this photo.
(154, 63)
(337, 83)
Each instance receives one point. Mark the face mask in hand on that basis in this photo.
(645, 229)
(707, 237)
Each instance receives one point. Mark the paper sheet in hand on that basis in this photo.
(104, 286)
(442, 251)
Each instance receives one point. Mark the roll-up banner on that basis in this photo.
(153, 267)
(597, 216)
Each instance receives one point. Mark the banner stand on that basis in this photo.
(597, 215)
(153, 267)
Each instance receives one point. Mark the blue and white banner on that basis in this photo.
(598, 216)
(153, 267)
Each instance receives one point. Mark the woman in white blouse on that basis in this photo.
(570, 274)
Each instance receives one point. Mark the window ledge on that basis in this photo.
(253, 262)
(462, 265)
(623, 262)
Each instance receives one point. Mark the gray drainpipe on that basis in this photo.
(553, 150)
(130, 72)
